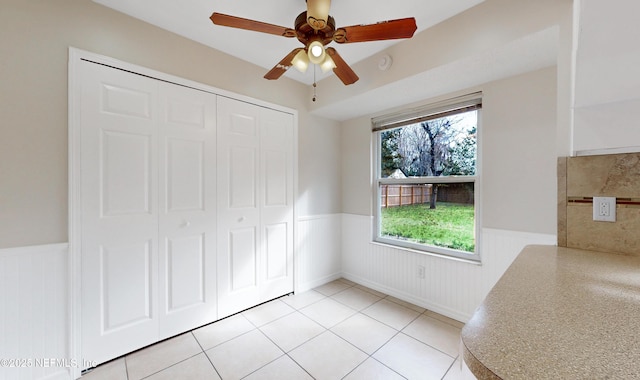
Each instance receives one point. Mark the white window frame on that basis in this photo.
(413, 116)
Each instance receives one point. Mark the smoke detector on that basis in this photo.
(385, 62)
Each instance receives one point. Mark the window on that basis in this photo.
(427, 176)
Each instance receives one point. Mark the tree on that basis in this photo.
(430, 148)
(462, 156)
(436, 131)
(389, 156)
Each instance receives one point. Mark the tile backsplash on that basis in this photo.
(582, 178)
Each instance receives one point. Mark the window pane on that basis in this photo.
(439, 147)
(438, 214)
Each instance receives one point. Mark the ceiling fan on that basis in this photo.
(315, 28)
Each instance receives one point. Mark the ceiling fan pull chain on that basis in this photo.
(314, 83)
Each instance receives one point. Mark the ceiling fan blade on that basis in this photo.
(342, 69)
(282, 66)
(385, 30)
(247, 24)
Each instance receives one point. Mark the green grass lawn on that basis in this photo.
(449, 225)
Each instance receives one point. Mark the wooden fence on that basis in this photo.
(403, 195)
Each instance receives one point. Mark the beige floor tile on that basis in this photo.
(281, 369)
(328, 357)
(268, 312)
(328, 312)
(459, 371)
(391, 313)
(444, 319)
(413, 359)
(302, 300)
(161, 355)
(243, 355)
(435, 333)
(332, 287)
(406, 304)
(348, 282)
(372, 369)
(369, 290)
(364, 332)
(356, 298)
(292, 330)
(219, 332)
(113, 370)
(196, 368)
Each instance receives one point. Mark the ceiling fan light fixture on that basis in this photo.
(316, 52)
(327, 64)
(301, 61)
(318, 13)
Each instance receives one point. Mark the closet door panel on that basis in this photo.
(119, 169)
(255, 205)
(125, 173)
(243, 256)
(185, 175)
(187, 221)
(125, 303)
(276, 137)
(185, 272)
(239, 231)
(276, 251)
(242, 178)
(276, 178)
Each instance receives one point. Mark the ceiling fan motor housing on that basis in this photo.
(306, 33)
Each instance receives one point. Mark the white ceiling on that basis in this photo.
(529, 53)
(190, 19)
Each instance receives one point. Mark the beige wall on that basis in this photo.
(320, 158)
(356, 166)
(518, 155)
(34, 41)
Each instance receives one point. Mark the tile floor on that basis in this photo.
(340, 330)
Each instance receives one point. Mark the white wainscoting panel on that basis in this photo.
(451, 287)
(318, 250)
(34, 312)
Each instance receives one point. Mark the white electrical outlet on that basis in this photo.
(420, 271)
(604, 209)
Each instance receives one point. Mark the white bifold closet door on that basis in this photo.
(148, 198)
(255, 205)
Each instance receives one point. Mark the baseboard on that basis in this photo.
(432, 306)
(316, 282)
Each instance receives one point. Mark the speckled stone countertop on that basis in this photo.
(559, 313)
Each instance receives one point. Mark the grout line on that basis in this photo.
(428, 345)
(126, 367)
(314, 302)
(299, 365)
(450, 368)
(172, 365)
(205, 354)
